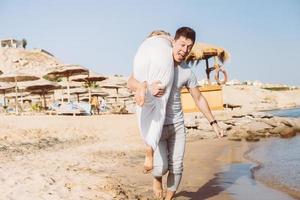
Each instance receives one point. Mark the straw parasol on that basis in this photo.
(124, 95)
(89, 80)
(16, 77)
(78, 91)
(66, 71)
(204, 51)
(41, 87)
(5, 88)
(65, 85)
(91, 77)
(99, 93)
(113, 86)
(116, 80)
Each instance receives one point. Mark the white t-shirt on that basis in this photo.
(183, 76)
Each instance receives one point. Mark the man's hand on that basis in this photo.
(140, 94)
(157, 89)
(218, 130)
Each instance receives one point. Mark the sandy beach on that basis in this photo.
(100, 157)
(56, 157)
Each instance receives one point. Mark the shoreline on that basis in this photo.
(225, 173)
(259, 165)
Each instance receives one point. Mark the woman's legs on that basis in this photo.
(148, 163)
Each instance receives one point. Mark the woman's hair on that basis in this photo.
(158, 32)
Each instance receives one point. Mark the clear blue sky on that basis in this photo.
(263, 37)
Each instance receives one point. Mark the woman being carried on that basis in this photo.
(154, 67)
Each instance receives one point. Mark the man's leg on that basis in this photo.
(160, 164)
(176, 148)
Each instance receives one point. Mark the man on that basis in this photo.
(168, 156)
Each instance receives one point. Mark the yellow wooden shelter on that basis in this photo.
(212, 93)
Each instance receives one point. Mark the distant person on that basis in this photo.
(169, 154)
(94, 105)
(103, 105)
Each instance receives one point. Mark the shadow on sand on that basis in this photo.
(220, 182)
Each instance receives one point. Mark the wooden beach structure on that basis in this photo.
(213, 93)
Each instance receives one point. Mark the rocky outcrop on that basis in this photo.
(35, 61)
(245, 127)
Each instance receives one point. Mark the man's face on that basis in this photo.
(181, 48)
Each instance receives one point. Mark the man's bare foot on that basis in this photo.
(140, 94)
(169, 195)
(157, 188)
(148, 164)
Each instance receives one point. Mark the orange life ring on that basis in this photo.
(217, 76)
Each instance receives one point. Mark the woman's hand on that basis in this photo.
(140, 94)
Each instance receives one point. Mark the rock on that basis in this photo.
(291, 122)
(228, 128)
(262, 134)
(250, 115)
(259, 134)
(257, 126)
(191, 122)
(237, 133)
(272, 122)
(267, 116)
(238, 116)
(191, 126)
(284, 131)
(288, 133)
(252, 139)
(223, 125)
(229, 122)
(234, 138)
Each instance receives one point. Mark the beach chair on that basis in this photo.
(73, 109)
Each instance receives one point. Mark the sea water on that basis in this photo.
(279, 158)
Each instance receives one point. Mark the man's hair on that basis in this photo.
(186, 32)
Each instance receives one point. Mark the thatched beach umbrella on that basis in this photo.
(204, 51)
(112, 86)
(91, 77)
(115, 80)
(118, 96)
(64, 85)
(78, 91)
(17, 77)
(99, 92)
(66, 71)
(89, 80)
(6, 88)
(42, 87)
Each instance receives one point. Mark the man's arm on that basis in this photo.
(140, 89)
(134, 84)
(202, 104)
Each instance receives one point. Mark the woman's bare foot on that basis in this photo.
(157, 188)
(148, 164)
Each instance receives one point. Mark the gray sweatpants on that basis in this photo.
(169, 154)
